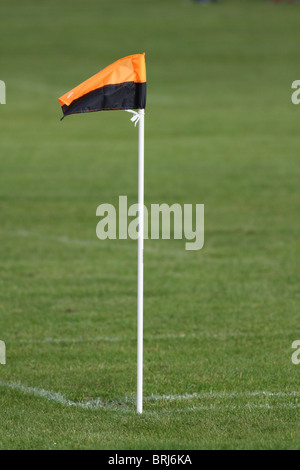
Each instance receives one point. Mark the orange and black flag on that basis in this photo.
(121, 85)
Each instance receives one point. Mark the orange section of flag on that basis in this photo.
(128, 69)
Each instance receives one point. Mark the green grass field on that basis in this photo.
(219, 323)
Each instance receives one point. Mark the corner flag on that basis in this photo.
(121, 85)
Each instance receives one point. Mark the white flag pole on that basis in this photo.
(140, 265)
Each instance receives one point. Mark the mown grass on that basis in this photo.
(220, 130)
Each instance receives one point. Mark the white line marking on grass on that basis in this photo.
(221, 395)
(185, 336)
(61, 239)
(50, 340)
(247, 406)
(97, 339)
(98, 403)
(57, 397)
(102, 245)
(38, 392)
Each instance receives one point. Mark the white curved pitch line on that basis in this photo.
(75, 241)
(97, 403)
(96, 339)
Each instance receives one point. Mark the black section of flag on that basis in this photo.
(122, 96)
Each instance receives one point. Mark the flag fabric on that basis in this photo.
(121, 85)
